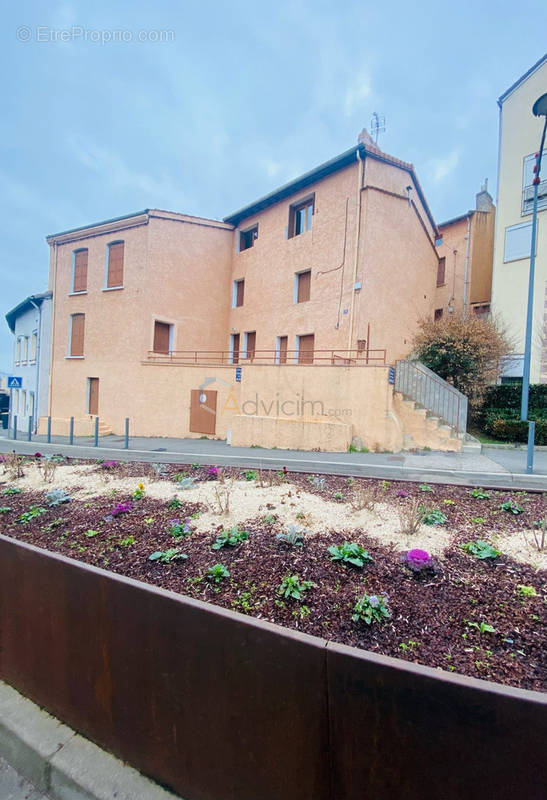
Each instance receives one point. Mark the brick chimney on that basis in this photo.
(483, 200)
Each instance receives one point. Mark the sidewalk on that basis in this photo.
(492, 467)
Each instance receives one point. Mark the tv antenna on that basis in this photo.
(377, 126)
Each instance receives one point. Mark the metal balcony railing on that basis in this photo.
(416, 382)
(528, 197)
(342, 358)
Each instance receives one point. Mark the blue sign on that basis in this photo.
(14, 383)
(391, 375)
(238, 374)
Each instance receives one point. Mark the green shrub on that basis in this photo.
(497, 423)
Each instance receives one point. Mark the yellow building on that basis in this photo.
(519, 139)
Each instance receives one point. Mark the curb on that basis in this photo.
(60, 762)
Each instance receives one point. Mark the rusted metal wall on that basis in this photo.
(223, 707)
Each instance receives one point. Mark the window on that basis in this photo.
(247, 238)
(528, 187)
(281, 349)
(306, 347)
(33, 345)
(482, 310)
(31, 404)
(163, 337)
(300, 216)
(441, 269)
(234, 348)
(79, 270)
(18, 350)
(438, 314)
(238, 293)
(24, 351)
(249, 345)
(518, 241)
(302, 286)
(77, 330)
(114, 268)
(23, 404)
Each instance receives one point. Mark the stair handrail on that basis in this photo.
(419, 383)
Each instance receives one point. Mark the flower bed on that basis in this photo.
(324, 554)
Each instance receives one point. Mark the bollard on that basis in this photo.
(96, 443)
(48, 430)
(71, 431)
(530, 453)
(126, 443)
(29, 432)
(15, 427)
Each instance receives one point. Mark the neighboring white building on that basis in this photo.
(519, 139)
(30, 323)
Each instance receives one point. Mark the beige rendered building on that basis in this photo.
(276, 326)
(520, 134)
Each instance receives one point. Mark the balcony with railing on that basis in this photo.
(528, 197)
(336, 357)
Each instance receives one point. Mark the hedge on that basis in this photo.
(508, 397)
(505, 426)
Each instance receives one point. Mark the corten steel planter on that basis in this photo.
(220, 706)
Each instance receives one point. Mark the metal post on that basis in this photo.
(49, 430)
(71, 431)
(15, 426)
(126, 443)
(29, 432)
(96, 442)
(530, 454)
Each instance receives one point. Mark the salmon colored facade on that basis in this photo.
(300, 291)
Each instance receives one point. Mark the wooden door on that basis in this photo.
(203, 411)
(283, 344)
(235, 348)
(251, 345)
(306, 346)
(93, 396)
(161, 337)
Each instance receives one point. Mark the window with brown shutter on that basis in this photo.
(115, 265)
(440, 271)
(303, 286)
(306, 347)
(162, 336)
(250, 344)
(77, 329)
(438, 314)
(283, 342)
(239, 291)
(79, 283)
(300, 217)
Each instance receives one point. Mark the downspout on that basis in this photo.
(355, 261)
(53, 314)
(466, 272)
(37, 360)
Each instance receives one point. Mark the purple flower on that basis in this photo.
(175, 522)
(109, 464)
(37, 455)
(122, 508)
(401, 493)
(373, 601)
(418, 556)
(212, 471)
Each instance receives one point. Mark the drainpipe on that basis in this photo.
(53, 315)
(355, 262)
(466, 273)
(37, 367)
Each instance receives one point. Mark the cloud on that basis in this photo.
(439, 168)
(356, 94)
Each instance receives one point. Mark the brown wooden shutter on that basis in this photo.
(161, 337)
(80, 271)
(77, 337)
(283, 342)
(94, 396)
(240, 290)
(115, 265)
(304, 284)
(251, 344)
(235, 348)
(306, 346)
(441, 271)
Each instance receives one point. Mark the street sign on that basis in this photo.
(238, 374)
(14, 383)
(391, 375)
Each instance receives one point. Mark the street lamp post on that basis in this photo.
(539, 109)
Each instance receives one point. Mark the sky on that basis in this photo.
(201, 108)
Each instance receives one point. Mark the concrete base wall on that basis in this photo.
(310, 434)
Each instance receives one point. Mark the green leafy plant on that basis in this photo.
(32, 513)
(480, 549)
(512, 507)
(338, 496)
(167, 556)
(127, 542)
(292, 588)
(371, 608)
(175, 503)
(410, 645)
(434, 517)
(4, 509)
(526, 591)
(448, 502)
(91, 533)
(293, 536)
(230, 538)
(349, 553)
(12, 490)
(425, 487)
(316, 481)
(249, 475)
(479, 494)
(177, 528)
(139, 492)
(478, 520)
(187, 483)
(57, 497)
(217, 573)
(269, 519)
(482, 627)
